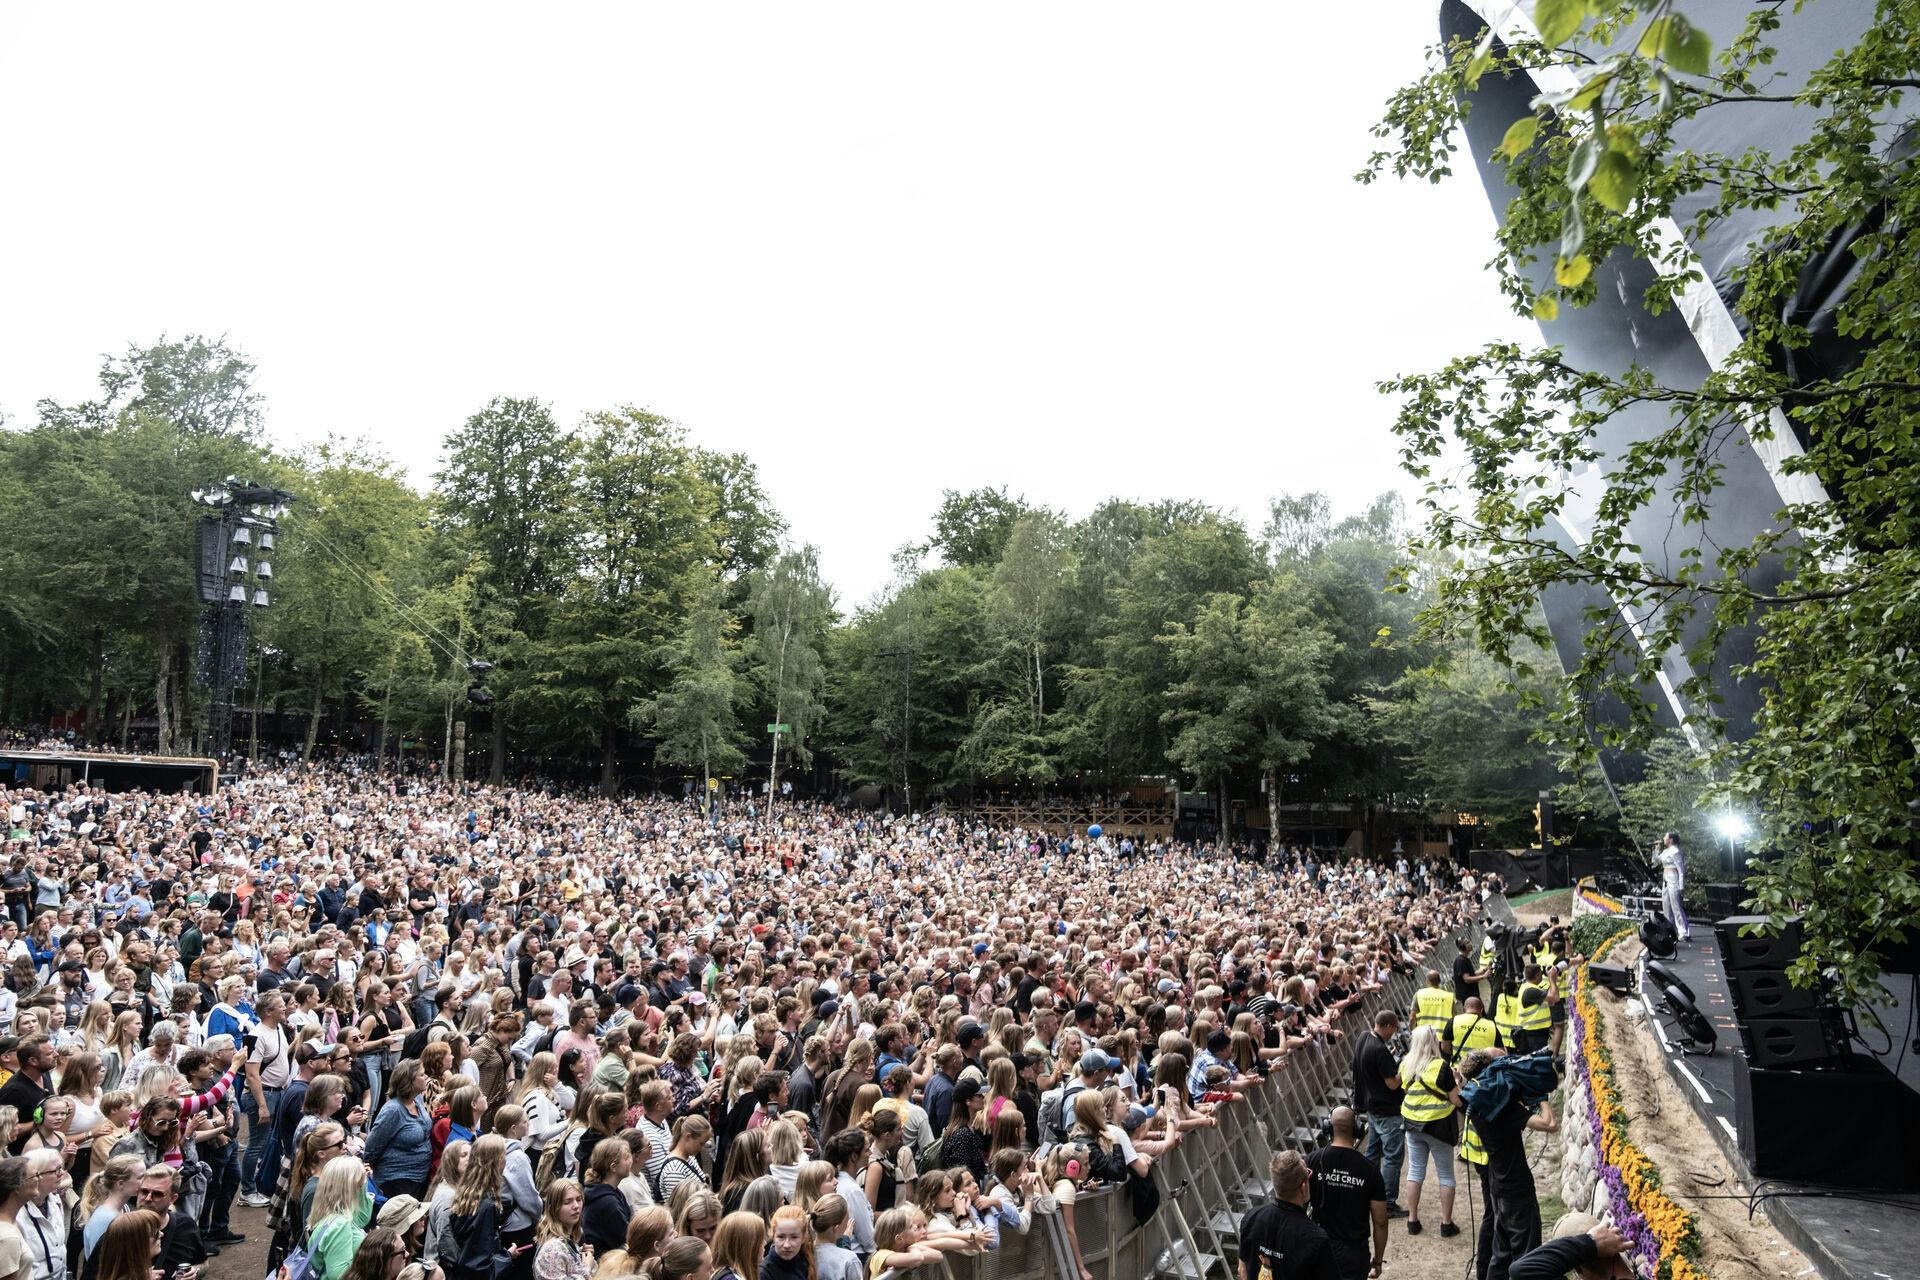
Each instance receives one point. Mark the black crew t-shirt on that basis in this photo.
(1342, 1192)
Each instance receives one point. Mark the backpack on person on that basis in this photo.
(553, 1159)
(1056, 1110)
(420, 1037)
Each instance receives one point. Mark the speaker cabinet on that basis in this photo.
(1785, 1042)
(1723, 900)
(1615, 978)
(1739, 953)
(1854, 1125)
(1766, 993)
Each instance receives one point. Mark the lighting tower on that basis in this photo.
(235, 562)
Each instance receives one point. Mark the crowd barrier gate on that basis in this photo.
(1207, 1181)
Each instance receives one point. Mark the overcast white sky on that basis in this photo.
(1078, 250)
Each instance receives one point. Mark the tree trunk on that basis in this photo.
(126, 720)
(1273, 812)
(607, 771)
(706, 777)
(6, 696)
(497, 769)
(459, 751)
(386, 716)
(446, 745)
(96, 686)
(1221, 808)
(319, 708)
(178, 685)
(163, 704)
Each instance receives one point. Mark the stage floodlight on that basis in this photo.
(242, 537)
(238, 567)
(259, 599)
(265, 571)
(1732, 826)
(236, 594)
(1667, 980)
(266, 542)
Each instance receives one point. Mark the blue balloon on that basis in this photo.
(1093, 832)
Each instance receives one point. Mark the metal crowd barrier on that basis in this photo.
(1210, 1179)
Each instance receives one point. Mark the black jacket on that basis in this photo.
(603, 1221)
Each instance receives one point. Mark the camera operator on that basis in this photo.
(1581, 1244)
(1512, 1227)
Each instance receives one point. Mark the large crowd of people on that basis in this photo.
(483, 1032)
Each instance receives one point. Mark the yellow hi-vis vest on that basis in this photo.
(1544, 958)
(1432, 1007)
(1470, 1146)
(1487, 954)
(1472, 1031)
(1506, 1015)
(1540, 1016)
(1425, 1099)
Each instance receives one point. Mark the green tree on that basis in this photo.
(1827, 590)
(343, 545)
(641, 525)
(792, 609)
(1252, 692)
(697, 715)
(503, 491)
(972, 529)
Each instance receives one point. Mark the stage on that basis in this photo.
(1848, 1233)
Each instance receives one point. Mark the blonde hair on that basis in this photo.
(551, 1228)
(895, 1223)
(343, 1180)
(484, 1177)
(740, 1242)
(811, 1184)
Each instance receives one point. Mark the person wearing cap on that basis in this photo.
(963, 1143)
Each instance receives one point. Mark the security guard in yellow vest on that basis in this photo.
(1470, 1030)
(1474, 1152)
(1506, 1013)
(1433, 1004)
(1426, 1107)
(1535, 1027)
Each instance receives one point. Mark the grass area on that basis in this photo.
(1549, 901)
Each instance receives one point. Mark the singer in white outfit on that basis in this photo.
(1673, 880)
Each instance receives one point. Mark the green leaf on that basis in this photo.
(1614, 180)
(1519, 136)
(1572, 272)
(1679, 43)
(1581, 164)
(1481, 60)
(1558, 19)
(1546, 307)
(1573, 230)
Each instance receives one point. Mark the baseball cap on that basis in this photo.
(1093, 1060)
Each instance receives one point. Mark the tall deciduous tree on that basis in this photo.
(697, 715)
(792, 609)
(504, 491)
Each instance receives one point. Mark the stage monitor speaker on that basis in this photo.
(1723, 900)
(1786, 1042)
(1766, 993)
(1667, 980)
(1613, 977)
(1775, 952)
(1660, 938)
(1854, 1125)
(1693, 1024)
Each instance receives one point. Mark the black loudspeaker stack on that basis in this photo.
(1851, 1123)
(1781, 1025)
(1723, 900)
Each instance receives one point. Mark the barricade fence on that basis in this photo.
(1210, 1178)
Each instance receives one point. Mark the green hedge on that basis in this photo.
(1588, 932)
